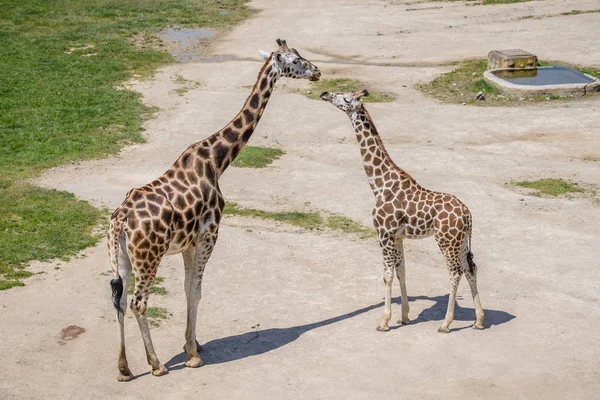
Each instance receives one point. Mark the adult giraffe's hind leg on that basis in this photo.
(401, 275)
(139, 305)
(124, 272)
(195, 260)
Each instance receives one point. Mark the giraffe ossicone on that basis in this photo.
(406, 210)
(180, 212)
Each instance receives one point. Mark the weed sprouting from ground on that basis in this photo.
(256, 157)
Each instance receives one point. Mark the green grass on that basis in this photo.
(463, 83)
(460, 85)
(346, 85)
(256, 157)
(489, 2)
(349, 226)
(155, 314)
(577, 12)
(41, 224)
(551, 187)
(154, 289)
(62, 63)
(307, 220)
(304, 220)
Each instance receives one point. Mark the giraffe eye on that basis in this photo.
(296, 61)
(346, 100)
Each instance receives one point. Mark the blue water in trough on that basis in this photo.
(543, 76)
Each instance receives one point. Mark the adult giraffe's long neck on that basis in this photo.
(226, 144)
(376, 160)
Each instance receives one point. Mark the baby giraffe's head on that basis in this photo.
(347, 102)
(291, 63)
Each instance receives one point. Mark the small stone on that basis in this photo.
(464, 104)
(454, 84)
(521, 199)
(480, 96)
(309, 92)
(521, 98)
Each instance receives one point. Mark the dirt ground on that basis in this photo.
(291, 314)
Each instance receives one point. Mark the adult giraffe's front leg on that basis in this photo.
(390, 259)
(195, 259)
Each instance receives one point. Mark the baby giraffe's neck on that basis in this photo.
(376, 160)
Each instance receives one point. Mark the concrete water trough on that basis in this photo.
(542, 81)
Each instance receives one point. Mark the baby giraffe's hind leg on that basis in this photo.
(401, 275)
(471, 274)
(455, 270)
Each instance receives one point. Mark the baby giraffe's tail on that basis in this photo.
(470, 262)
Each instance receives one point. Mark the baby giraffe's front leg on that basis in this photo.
(391, 257)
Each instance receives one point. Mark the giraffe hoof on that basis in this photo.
(385, 329)
(194, 362)
(125, 376)
(404, 321)
(478, 328)
(160, 371)
(443, 330)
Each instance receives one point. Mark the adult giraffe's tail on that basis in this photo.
(114, 232)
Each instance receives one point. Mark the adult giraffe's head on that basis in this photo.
(347, 102)
(291, 64)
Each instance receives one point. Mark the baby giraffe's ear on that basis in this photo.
(362, 93)
(264, 54)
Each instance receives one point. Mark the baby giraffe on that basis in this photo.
(406, 210)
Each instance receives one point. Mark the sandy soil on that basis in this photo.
(292, 314)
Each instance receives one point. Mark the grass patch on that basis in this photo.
(155, 315)
(460, 85)
(41, 224)
(489, 2)
(304, 220)
(346, 85)
(10, 284)
(577, 12)
(310, 220)
(349, 226)
(463, 83)
(550, 186)
(154, 289)
(62, 64)
(256, 157)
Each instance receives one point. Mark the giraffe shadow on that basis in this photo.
(437, 312)
(254, 343)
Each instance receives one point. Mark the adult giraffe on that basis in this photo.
(406, 210)
(180, 212)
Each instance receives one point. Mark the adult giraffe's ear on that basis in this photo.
(264, 54)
